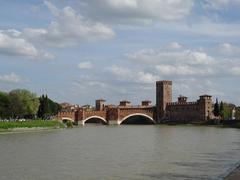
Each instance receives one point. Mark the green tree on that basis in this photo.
(4, 105)
(216, 110)
(47, 107)
(221, 110)
(227, 111)
(23, 103)
(238, 113)
(43, 107)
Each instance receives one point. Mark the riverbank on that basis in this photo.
(234, 175)
(223, 124)
(26, 130)
(30, 125)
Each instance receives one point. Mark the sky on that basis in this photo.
(77, 51)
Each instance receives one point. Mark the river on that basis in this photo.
(132, 152)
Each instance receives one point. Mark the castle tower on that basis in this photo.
(182, 99)
(163, 96)
(100, 104)
(206, 107)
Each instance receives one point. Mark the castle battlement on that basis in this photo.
(66, 112)
(164, 82)
(181, 103)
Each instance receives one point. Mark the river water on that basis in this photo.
(132, 152)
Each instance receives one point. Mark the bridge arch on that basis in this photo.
(67, 119)
(94, 117)
(138, 114)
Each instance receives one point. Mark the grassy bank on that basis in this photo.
(31, 124)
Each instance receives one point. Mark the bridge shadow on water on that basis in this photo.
(137, 120)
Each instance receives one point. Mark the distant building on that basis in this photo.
(124, 103)
(146, 103)
(65, 105)
(68, 107)
(237, 113)
(100, 104)
(88, 107)
(233, 113)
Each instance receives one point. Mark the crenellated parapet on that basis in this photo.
(67, 115)
(182, 103)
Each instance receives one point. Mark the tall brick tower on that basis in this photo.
(163, 96)
(99, 104)
(206, 107)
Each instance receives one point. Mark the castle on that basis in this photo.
(181, 111)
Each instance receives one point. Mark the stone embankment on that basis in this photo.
(234, 175)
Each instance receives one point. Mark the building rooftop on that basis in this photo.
(101, 100)
(205, 95)
(181, 96)
(164, 82)
(125, 101)
(146, 101)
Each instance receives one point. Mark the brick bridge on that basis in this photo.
(110, 114)
(125, 113)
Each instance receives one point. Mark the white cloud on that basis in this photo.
(202, 26)
(11, 43)
(213, 29)
(85, 65)
(194, 87)
(11, 32)
(68, 28)
(218, 4)
(145, 77)
(184, 70)
(228, 49)
(175, 45)
(235, 71)
(126, 74)
(144, 11)
(10, 78)
(179, 63)
(178, 57)
(118, 4)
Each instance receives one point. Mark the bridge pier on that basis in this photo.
(81, 123)
(114, 122)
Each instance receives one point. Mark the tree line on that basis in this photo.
(224, 110)
(21, 103)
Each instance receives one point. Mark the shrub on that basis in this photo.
(69, 124)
